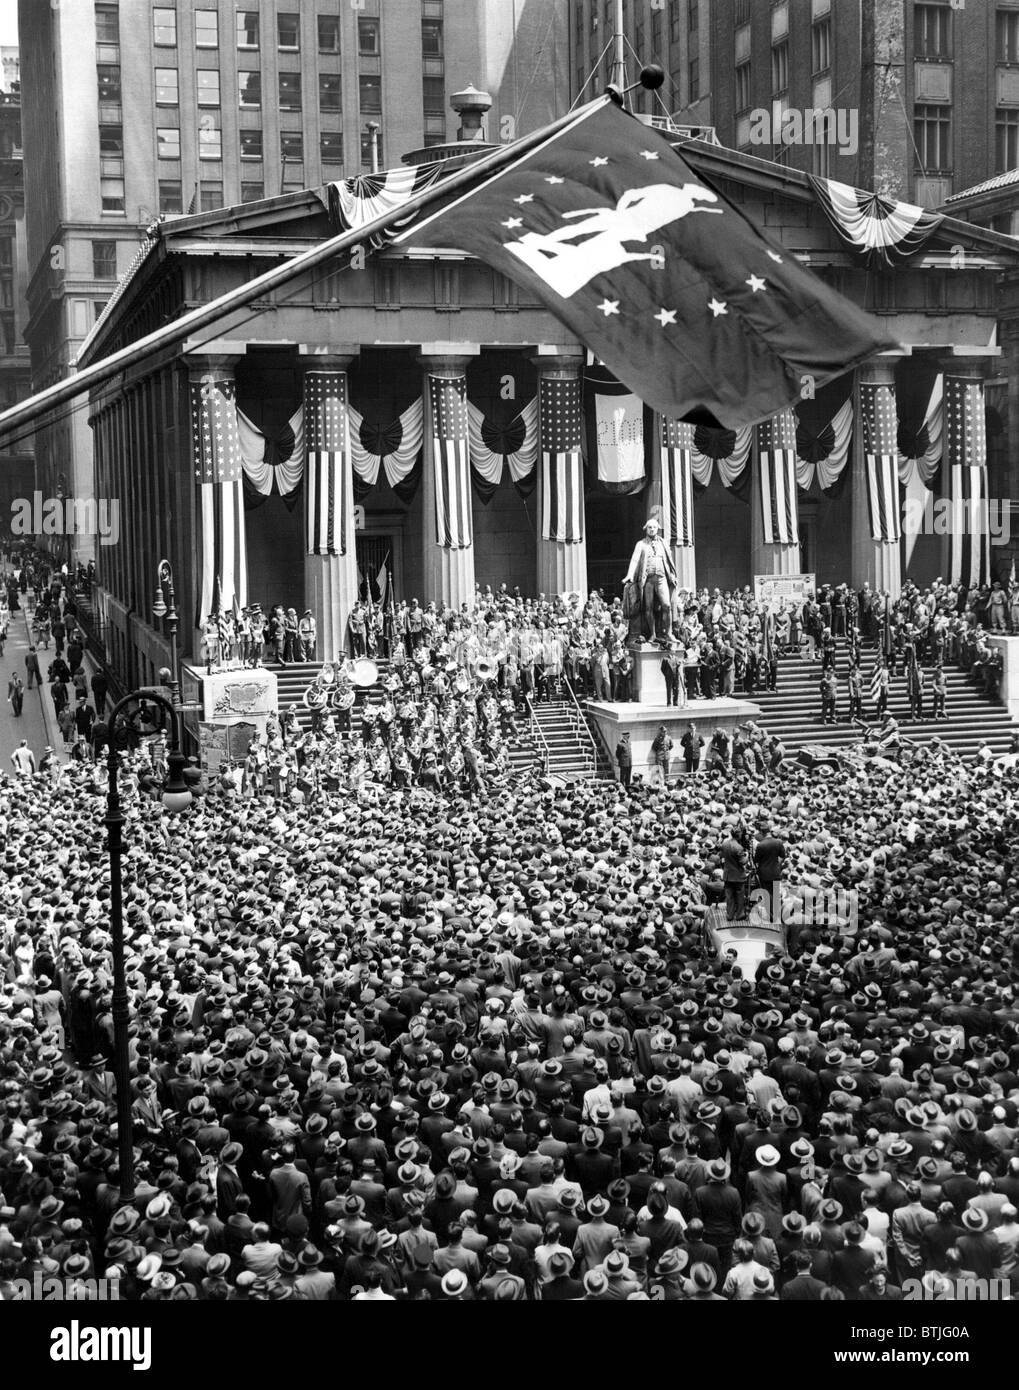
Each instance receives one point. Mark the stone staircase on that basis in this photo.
(573, 755)
(793, 711)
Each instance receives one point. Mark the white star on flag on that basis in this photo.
(513, 223)
(552, 179)
(776, 258)
(648, 154)
(718, 308)
(524, 198)
(666, 316)
(597, 162)
(609, 307)
(757, 284)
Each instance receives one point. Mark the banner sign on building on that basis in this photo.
(771, 589)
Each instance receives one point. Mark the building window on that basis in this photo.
(370, 89)
(820, 45)
(693, 15)
(210, 195)
(328, 33)
(210, 141)
(780, 66)
(694, 69)
(104, 260)
(247, 28)
(1006, 129)
(292, 146)
(107, 24)
(207, 83)
(330, 146)
(108, 77)
(933, 30)
(821, 159)
(164, 28)
(675, 20)
(368, 38)
(168, 142)
(435, 96)
(743, 87)
(656, 33)
(249, 89)
(251, 144)
(166, 87)
(206, 29)
(111, 141)
(252, 192)
(431, 38)
(742, 15)
(111, 194)
(290, 91)
(329, 93)
(933, 135)
(171, 199)
(288, 32)
(366, 150)
(1008, 36)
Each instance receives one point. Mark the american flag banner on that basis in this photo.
(329, 489)
(677, 441)
(454, 523)
(219, 474)
(875, 679)
(881, 461)
(966, 456)
(562, 469)
(776, 447)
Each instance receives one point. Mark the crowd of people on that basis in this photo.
(435, 1047)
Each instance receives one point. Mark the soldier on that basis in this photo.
(309, 634)
(672, 670)
(855, 692)
(915, 682)
(356, 624)
(939, 690)
(829, 697)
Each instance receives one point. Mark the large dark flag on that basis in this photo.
(667, 283)
(223, 583)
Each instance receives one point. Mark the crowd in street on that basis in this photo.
(433, 1047)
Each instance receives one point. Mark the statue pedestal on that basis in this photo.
(649, 679)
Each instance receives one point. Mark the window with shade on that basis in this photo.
(111, 195)
(330, 147)
(166, 87)
(288, 33)
(206, 29)
(171, 198)
(210, 195)
(252, 192)
(108, 78)
(368, 38)
(249, 89)
(330, 96)
(107, 24)
(210, 140)
(434, 96)
(104, 260)
(290, 91)
(168, 142)
(247, 28)
(742, 92)
(431, 38)
(292, 146)
(111, 141)
(820, 45)
(370, 95)
(328, 34)
(780, 67)
(1006, 130)
(251, 144)
(164, 27)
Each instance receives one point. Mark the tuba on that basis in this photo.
(487, 667)
(316, 696)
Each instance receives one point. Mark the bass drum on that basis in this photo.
(365, 672)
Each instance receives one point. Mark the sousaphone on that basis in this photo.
(487, 668)
(365, 672)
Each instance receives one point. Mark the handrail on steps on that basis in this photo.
(537, 731)
(578, 715)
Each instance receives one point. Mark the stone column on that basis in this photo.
(448, 501)
(776, 557)
(875, 562)
(562, 564)
(1010, 344)
(330, 560)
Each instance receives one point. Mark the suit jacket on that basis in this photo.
(803, 1289)
(638, 571)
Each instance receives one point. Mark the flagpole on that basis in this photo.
(204, 317)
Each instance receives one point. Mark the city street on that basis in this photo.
(31, 724)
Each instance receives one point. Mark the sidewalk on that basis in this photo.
(37, 722)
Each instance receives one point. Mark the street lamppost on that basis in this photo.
(373, 129)
(164, 608)
(176, 796)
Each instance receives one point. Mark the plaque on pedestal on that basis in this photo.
(648, 676)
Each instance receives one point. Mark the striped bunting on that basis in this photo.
(329, 491)
(966, 456)
(677, 441)
(220, 477)
(881, 462)
(447, 397)
(777, 449)
(562, 471)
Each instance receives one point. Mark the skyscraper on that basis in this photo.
(136, 111)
